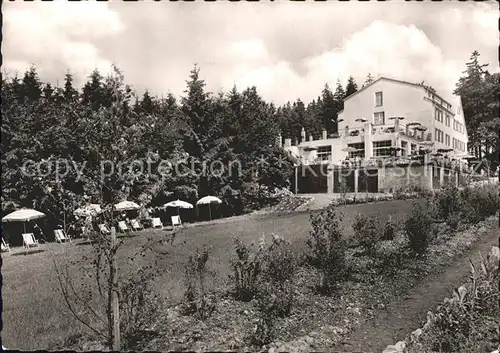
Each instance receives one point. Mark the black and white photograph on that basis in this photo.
(253, 176)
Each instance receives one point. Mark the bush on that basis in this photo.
(479, 202)
(280, 263)
(418, 226)
(447, 201)
(389, 229)
(327, 248)
(138, 306)
(468, 321)
(273, 263)
(247, 268)
(366, 232)
(273, 287)
(196, 299)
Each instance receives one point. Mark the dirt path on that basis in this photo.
(401, 318)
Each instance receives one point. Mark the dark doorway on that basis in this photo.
(312, 179)
(368, 180)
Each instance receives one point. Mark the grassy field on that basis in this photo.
(34, 313)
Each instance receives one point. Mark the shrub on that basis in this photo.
(327, 248)
(274, 289)
(389, 229)
(446, 202)
(467, 322)
(479, 202)
(366, 232)
(138, 306)
(280, 263)
(196, 299)
(418, 226)
(247, 268)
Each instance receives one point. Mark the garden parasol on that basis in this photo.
(209, 200)
(179, 204)
(126, 206)
(23, 215)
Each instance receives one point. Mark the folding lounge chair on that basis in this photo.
(5, 246)
(176, 221)
(29, 241)
(136, 225)
(104, 229)
(61, 236)
(156, 223)
(122, 226)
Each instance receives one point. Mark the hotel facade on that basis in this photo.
(385, 120)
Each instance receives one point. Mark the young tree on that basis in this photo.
(329, 109)
(368, 80)
(351, 86)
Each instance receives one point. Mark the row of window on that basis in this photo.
(458, 145)
(445, 138)
(457, 126)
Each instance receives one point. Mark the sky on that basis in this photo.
(288, 50)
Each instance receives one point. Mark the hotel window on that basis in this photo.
(404, 146)
(447, 141)
(382, 148)
(439, 115)
(359, 150)
(454, 125)
(455, 143)
(379, 118)
(324, 153)
(379, 100)
(448, 118)
(439, 135)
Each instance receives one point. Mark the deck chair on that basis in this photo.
(61, 236)
(176, 221)
(5, 246)
(136, 225)
(104, 229)
(156, 223)
(29, 241)
(122, 226)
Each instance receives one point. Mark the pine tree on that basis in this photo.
(93, 91)
(70, 93)
(329, 109)
(351, 86)
(48, 91)
(338, 96)
(146, 103)
(31, 86)
(369, 79)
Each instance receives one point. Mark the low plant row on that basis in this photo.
(467, 322)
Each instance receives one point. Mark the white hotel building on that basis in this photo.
(384, 116)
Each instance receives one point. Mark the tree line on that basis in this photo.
(106, 124)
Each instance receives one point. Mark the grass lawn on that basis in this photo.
(34, 313)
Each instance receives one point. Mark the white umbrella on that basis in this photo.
(208, 200)
(88, 210)
(23, 215)
(126, 206)
(179, 204)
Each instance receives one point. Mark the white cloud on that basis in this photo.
(251, 48)
(382, 48)
(57, 36)
(287, 50)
